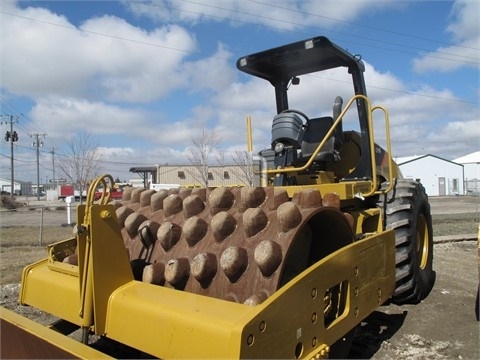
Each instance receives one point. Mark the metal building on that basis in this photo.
(19, 187)
(189, 175)
(439, 176)
(471, 169)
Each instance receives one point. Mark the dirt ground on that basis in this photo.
(443, 326)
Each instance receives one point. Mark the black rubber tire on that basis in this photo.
(407, 211)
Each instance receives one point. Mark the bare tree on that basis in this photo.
(205, 145)
(82, 161)
(244, 166)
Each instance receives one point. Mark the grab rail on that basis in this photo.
(371, 145)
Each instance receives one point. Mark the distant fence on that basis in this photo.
(472, 187)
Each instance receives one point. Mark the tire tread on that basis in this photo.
(402, 207)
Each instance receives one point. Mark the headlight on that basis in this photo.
(279, 147)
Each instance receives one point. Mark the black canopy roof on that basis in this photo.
(303, 57)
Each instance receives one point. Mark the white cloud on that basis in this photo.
(37, 61)
(105, 57)
(421, 106)
(429, 120)
(334, 13)
(465, 30)
(213, 72)
(381, 84)
(141, 70)
(116, 152)
(60, 116)
(278, 14)
(465, 24)
(468, 130)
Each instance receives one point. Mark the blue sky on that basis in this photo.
(144, 77)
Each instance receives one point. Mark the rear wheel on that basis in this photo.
(407, 211)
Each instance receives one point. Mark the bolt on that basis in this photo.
(105, 214)
(262, 326)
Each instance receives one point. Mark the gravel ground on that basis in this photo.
(443, 326)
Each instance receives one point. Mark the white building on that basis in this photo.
(188, 175)
(471, 171)
(19, 187)
(438, 176)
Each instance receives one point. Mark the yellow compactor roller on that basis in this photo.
(283, 270)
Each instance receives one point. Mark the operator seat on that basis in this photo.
(317, 129)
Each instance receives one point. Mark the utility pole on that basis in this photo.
(53, 167)
(36, 144)
(11, 136)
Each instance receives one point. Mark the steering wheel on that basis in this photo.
(307, 120)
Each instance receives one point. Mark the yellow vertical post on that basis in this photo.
(249, 134)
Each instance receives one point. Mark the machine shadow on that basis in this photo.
(373, 331)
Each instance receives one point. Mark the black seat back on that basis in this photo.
(315, 133)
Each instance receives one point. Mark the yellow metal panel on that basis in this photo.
(367, 221)
(291, 322)
(346, 190)
(51, 291)
(174, 324)
(110, 263)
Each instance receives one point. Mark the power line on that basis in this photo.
(17, 160)
(109, 35)
(243, 21)
(283, 21)
(10, 105)
(28, 129)
(258, 16)
(246, 13)
(362, 25)
(397, 91)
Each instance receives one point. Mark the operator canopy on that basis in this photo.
(303, 57)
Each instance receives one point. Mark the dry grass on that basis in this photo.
(20, 246)
(455, 224)
(30, 235)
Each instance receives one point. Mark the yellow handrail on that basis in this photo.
(322, 143)
(370, 110)
(389, 149)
